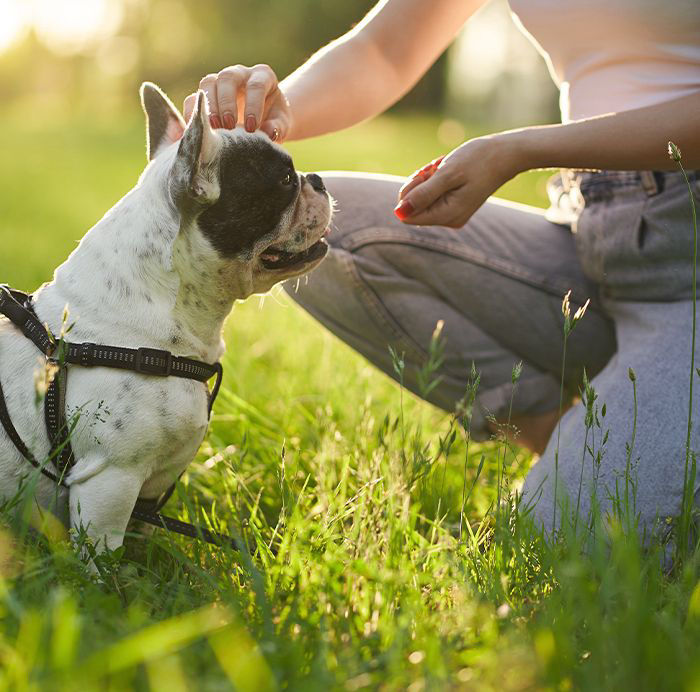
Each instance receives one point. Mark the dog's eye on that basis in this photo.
(288, 179)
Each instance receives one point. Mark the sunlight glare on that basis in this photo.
(70, 26)
(13, 22)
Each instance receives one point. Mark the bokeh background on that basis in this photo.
(65, 56)
(71, 129)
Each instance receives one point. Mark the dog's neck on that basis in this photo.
(138, 279)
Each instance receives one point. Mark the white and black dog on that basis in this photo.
(216, 216)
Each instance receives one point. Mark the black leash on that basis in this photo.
(18, 308)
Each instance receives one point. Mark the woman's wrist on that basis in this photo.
(521, 151)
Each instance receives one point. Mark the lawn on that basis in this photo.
(366, 564)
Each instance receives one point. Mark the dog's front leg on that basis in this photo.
(102, 503)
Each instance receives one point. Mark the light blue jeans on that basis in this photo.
(622, 239)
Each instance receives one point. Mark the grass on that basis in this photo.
(372, 561)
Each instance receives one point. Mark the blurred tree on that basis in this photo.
(175, 43)
(184, 41)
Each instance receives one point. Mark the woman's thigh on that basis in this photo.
(633, 457)
(497, 285)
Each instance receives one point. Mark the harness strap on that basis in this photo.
(17, 440)
(18, 308)
(147, 361)
(56, 423)
(183, 528)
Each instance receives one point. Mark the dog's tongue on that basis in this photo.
(270, 256)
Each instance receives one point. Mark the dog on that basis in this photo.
(217, 215)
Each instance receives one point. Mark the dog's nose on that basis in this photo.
(316, 182)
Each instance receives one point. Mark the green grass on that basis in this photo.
(346, 493)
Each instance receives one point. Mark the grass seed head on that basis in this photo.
(565, 308)
(581, 311)
(43, 377)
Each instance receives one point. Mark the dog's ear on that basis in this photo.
(164, 124)
(191, 171)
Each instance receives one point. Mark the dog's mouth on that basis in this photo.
(276, 258)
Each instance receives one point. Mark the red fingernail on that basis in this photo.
(404, 209)
(228, 121)
(215, 122)
(250, 123)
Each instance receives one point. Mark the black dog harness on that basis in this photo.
(18, 308)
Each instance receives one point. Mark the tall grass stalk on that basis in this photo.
(630, 449)
(588, 399)
(465, 409)
(556, 451)
(569, 324)
(515, 376)
(690, 461)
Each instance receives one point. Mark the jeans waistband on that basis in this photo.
(602, 184)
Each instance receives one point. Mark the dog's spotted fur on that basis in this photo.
(161, 269)
(254, 200)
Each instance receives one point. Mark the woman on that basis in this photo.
(629, 75)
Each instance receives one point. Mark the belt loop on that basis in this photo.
(649, 183)
(566, 176)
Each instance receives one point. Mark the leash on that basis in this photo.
(18, 308)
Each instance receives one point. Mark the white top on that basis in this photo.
(615, 55)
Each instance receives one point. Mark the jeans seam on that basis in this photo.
(380, 235)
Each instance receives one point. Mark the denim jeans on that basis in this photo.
(621, 239)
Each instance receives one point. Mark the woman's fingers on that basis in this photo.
(276, 129)
(420, 176)
(260, 87)
(246, 95)
(188, 106)
(459, 185)
(414, 181)
(229, 83)
(441, 213)
(208, 86)
(424, 194)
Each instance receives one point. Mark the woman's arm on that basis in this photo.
(353, 78)
(372, 66)
(629, 140)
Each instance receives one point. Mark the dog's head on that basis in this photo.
(240, 193)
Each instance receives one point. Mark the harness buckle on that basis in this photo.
(153, 361)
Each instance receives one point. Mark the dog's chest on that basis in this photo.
(151, 424)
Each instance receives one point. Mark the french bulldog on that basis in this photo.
(216, 216)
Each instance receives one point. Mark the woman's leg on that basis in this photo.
(497, 284)
(635, 235)
(638, 451)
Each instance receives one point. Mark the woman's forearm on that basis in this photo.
(372, 66)
(449, 193)
(343, 84)
(629, 140)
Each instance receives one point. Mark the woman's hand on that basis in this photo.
(247, 95)
(450, 189)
